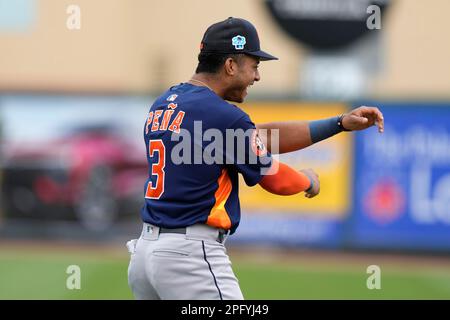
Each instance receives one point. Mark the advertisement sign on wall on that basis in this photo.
(296, 220)
(402, 180)
(331, 159)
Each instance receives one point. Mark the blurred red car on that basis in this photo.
(91, 175)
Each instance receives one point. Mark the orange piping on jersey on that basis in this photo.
(218, 216)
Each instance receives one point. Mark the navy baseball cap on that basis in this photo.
(233, 36)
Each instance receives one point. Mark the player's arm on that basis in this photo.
(295, 135)
(284, 180)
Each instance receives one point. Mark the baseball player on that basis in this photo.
(191, 194)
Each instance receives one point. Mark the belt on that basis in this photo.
(220, 237)
(177, 230)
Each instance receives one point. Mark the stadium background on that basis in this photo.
(385, 199)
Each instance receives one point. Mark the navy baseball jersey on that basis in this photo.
(193, 165)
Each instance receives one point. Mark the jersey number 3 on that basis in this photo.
(155, 192)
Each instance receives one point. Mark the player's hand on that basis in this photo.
(314, 178)
(362, 118)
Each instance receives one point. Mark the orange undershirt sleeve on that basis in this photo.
(285, 181)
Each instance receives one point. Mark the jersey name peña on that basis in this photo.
(164, 119)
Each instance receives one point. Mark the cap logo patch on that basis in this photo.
(238, 42)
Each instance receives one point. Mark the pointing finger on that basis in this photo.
(380, 120)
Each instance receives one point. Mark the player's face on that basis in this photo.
(247, 73)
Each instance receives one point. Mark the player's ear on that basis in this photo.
(230, 66)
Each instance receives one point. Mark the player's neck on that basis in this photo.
(204, 80)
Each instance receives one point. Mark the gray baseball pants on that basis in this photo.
(193, 265)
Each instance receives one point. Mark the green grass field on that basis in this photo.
(33, 274)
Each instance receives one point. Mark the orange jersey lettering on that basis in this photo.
(176, 123)
(166, 119)
(155, 124)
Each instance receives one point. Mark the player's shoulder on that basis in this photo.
(224, 108)
(202, 101)
(227, 115)
(183, 92)
(168, 96)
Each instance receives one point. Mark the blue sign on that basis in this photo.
(402, 180)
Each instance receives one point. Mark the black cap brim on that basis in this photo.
(264, 56)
